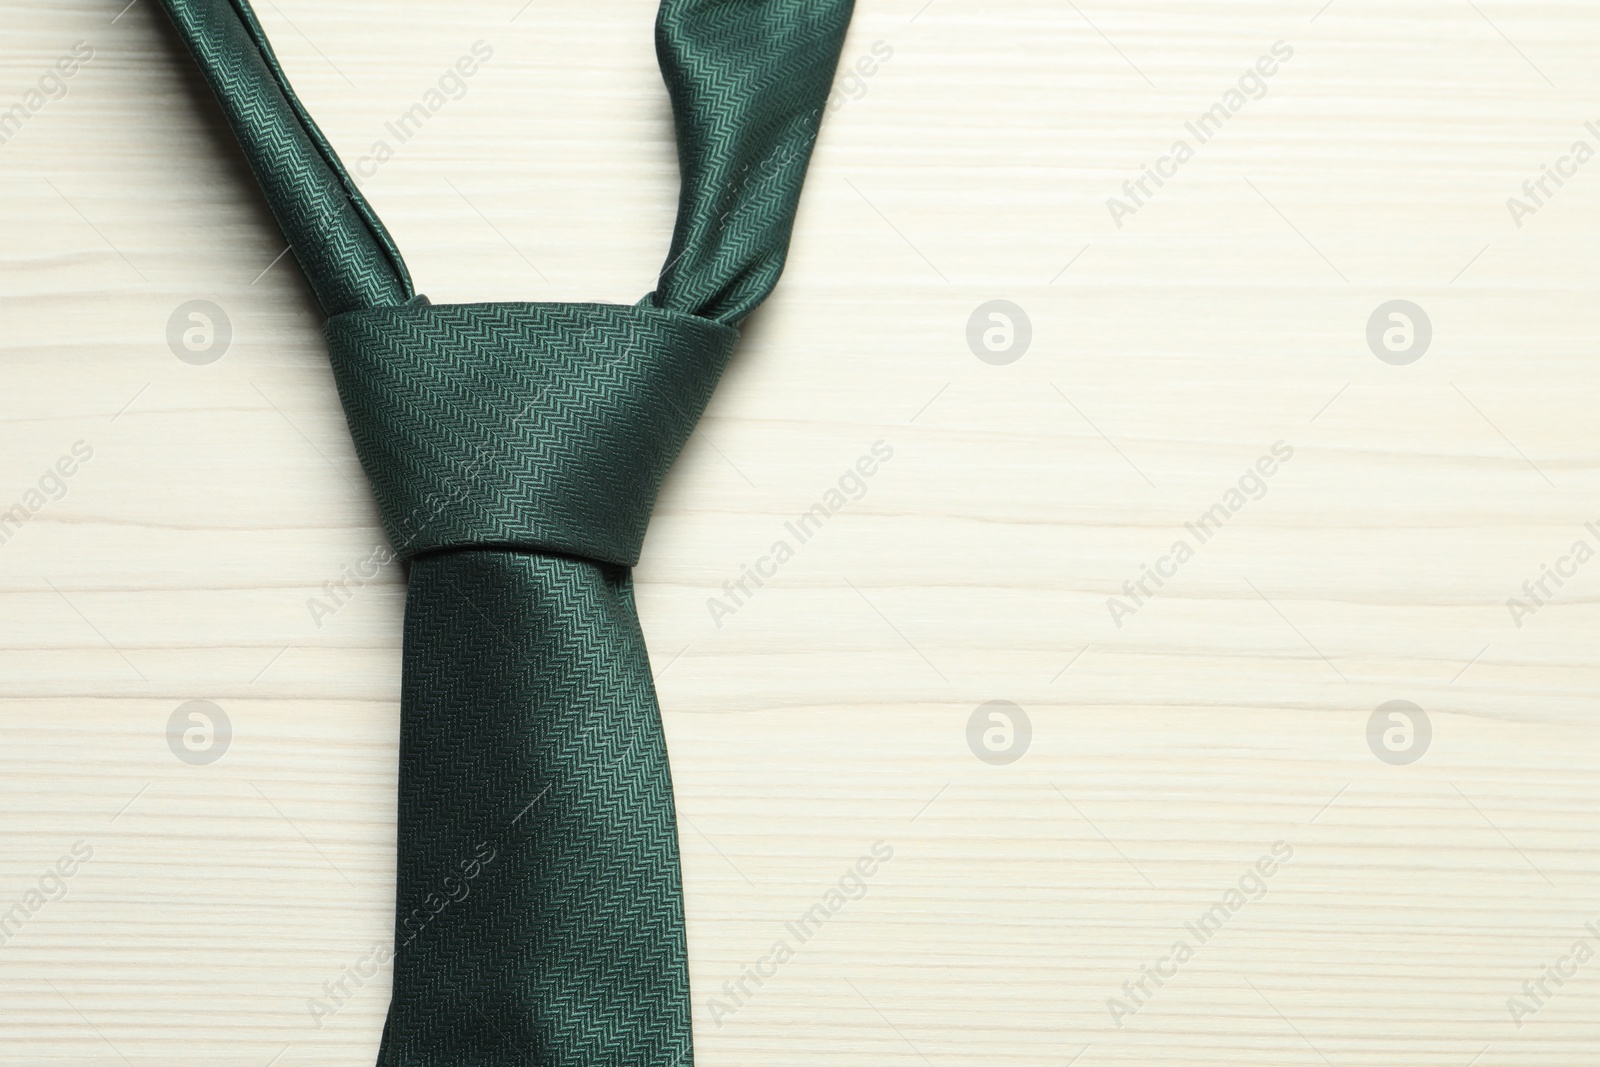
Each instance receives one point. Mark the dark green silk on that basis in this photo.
(515, 451)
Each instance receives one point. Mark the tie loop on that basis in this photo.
(540, 427)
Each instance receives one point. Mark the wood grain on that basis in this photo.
(830, 711)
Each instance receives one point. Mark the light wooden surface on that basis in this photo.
(831, 710)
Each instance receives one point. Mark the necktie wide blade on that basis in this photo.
(530, 735)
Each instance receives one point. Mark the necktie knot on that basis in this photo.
(540, 427)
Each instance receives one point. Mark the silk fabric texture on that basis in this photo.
(515, 451)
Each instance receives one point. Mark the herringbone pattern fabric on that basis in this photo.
(550, 425)
(748, 80)
(515, 451)
(529, 724)
(341, 246)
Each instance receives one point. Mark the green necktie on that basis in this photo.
(515, 451)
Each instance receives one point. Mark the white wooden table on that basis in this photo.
(1229, 710)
